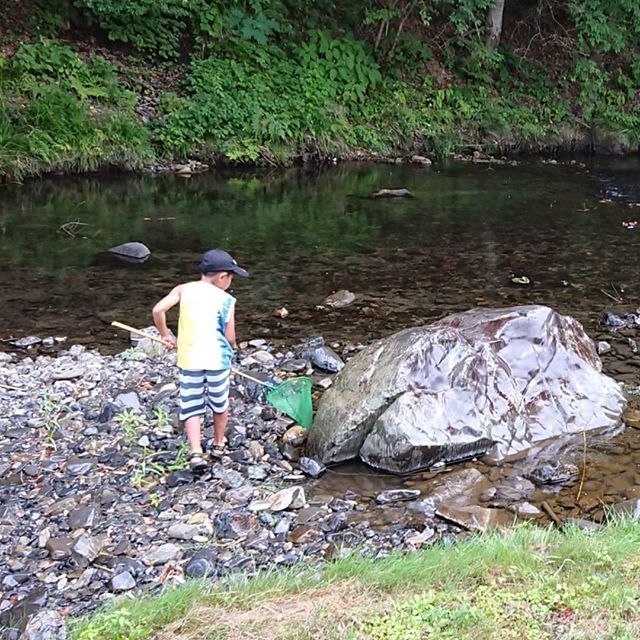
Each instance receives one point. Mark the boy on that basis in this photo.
(206, 339)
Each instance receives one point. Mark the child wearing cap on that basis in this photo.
(206, 339)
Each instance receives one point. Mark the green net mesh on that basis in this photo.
(293, 397)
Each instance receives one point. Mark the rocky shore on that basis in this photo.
(97, 500)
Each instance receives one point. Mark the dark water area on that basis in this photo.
(305, 234)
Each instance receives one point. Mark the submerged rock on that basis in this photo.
(484, 381)
(131, 252)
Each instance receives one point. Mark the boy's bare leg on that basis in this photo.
(192, 429)
(219, 426)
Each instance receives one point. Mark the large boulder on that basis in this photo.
(483, 381)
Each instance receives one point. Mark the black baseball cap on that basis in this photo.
(219, 260)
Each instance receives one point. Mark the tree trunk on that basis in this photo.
(494, 24)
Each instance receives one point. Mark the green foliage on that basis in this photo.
(132, 424)
(606, 25)
(148, 25)
(258, 97)
(61, 112)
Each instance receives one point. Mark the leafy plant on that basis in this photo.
(132, 424)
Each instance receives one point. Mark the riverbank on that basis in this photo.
(98, 499)
(531, 583)
(90, 86)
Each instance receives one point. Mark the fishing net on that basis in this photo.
(293, 397)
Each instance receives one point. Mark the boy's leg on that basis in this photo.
(219, 425)
(192, 406)
(218, 400)
(193, 431)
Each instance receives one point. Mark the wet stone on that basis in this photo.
(555, 472)
(398, 495)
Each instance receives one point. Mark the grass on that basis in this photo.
(530, 583)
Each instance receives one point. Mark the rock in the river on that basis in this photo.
(131, 251)
(487, 380)
(393, 193)
(339, 299)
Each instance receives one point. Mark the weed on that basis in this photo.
(132, 424)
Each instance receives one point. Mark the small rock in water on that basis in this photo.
(553, 472)
(397, 495)
(393, 193)
(131, 252)
(339, 299)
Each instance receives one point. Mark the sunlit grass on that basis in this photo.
(527, 583)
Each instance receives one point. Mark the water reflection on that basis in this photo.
(306, 234)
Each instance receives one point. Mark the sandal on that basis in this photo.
(218, 450)
(197, 461)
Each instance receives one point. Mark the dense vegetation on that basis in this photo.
(90, 83)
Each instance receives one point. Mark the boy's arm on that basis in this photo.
(160, 315)
(230, 329)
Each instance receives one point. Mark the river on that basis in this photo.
(306, 233)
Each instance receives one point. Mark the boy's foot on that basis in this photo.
(218, 450)
(197, 461)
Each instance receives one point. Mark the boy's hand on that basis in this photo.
(169, 339)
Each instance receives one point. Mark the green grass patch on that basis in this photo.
(529, 583)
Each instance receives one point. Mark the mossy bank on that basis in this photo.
(89, 84)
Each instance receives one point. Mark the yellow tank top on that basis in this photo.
(204, 313)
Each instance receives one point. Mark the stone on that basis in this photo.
(123, 582)
(129, 400)
(397, 495)
(475, 518)
(629, 508)
(131, 252)
(87, 548)
(45, 625)
(325, 358)
(83, 517)
(183, 531)
(553, 472)
(77, 466)
(339, 299)
(59, 548)
(161, 554)
(292, 498)
(235, 525)
(393, 193)
(311, 467)
(486, 381)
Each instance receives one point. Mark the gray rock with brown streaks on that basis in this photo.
(483, 381)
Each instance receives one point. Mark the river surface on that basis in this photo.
(570, 228)
(303, 235)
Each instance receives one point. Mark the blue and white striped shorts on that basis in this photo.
(199, 388)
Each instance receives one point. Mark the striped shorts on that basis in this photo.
(199, 388)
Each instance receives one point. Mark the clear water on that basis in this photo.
(305, 234)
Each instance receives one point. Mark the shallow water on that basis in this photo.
(305, 234)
